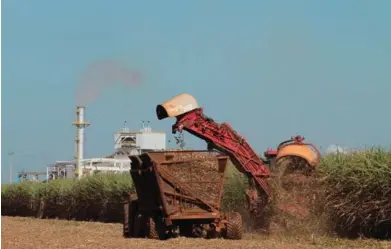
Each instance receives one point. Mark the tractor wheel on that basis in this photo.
(126, 220)
(280, 170)
(131, 223)
(152, 232)
(234, 227)
(156, 229)
(290, 166)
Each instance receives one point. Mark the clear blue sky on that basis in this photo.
(271, 69)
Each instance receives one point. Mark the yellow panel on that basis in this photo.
(299, 150)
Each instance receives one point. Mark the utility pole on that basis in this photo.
(10, 154)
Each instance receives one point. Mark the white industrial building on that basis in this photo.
(136, 141)
(126, 143)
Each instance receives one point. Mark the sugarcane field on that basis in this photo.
(196, 124)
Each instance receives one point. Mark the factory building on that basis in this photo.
(126, 142)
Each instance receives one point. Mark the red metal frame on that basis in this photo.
(225, 139)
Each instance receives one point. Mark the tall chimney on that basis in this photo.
(79, 148)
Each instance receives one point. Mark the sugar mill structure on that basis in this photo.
(127, 142)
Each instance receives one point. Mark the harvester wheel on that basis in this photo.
(280, 170)
(290, 165)
(151, 229)
(126, 220)
(156, 229)
(131, 226)
(234, 227)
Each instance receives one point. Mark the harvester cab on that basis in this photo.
(294, 149)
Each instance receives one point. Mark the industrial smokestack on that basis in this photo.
(79, 148)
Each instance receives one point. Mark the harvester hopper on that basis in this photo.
(179, 193)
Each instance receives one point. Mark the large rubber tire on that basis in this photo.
(156, 229)
(152, 232)
(126, 221)
(280, 171)
(287, 166)
(234, 227)
(131, 224)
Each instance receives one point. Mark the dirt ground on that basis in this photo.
(18, 233)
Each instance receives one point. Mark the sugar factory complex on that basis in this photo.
(126, 143)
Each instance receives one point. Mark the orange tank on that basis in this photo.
(296, 148)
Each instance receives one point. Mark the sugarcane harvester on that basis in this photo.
(190, 117)
(180, 192)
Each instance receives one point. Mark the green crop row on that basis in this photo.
(98, 197)
(357, 191)
(354, 194)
